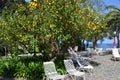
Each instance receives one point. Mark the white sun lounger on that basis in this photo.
(115, 53)
(70, 68)
(51, 72)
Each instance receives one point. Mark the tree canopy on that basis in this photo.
(49, 26)
(113, 21)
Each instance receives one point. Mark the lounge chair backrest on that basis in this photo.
(70, 68)
(49, 69)
(69, 65)
(72, 52)
(76, 48)
(115, 52)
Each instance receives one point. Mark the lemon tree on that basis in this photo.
(49, 26)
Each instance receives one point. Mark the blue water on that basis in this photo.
(103, 45)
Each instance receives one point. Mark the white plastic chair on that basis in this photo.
(115, 53)
(51, 73)
(89, 52)
(70, 68)
(87, 67)
(74, 55)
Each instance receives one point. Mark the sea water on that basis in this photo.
(103, 45)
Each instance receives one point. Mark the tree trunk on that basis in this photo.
(95, 42)
(117, 35)
(118, 40)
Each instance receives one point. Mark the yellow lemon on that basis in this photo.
(60, 17)
(35, 0)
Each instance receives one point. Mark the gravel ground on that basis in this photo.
(106, 70)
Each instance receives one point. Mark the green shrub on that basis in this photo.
(59, 62)
(30, 68)
(35, 70)
(24, 67)
(21, 70)
(7, 67)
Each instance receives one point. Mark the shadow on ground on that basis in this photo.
(94, 63)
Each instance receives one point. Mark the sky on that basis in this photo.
(117, 4)
(112, 2)
(107, 2)
(27, 0)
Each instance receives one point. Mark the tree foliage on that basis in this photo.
(113, 21)
(49, 26)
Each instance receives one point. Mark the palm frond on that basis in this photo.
(113, 14)
(112, 7)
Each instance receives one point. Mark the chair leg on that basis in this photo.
(45, 78)
(84, 77)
